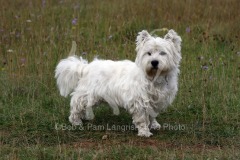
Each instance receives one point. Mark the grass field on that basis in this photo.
(202, 123)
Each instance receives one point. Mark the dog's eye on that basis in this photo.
(162, 53)
(149, 53)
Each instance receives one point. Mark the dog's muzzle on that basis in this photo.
(152, 71)
(155, 64)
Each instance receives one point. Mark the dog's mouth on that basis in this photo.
(155, 72)
(152, 72)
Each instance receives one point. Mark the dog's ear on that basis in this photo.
(141, 38)
(175, 38)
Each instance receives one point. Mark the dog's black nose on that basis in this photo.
(154, 63)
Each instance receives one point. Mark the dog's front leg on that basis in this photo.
(77, 109)
(141, 121)
(154, 124)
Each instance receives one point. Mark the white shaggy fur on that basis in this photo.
(143, 88)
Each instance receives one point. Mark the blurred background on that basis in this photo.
(36, 34)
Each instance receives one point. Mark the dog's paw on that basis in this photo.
(116, 111)
(155, 125)
(75, 120)
(89, 117)
(144, 133)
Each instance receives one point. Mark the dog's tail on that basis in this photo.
(68, 72)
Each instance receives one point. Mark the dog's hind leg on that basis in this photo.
(91, 101)
(115, 108)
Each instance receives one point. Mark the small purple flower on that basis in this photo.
(188, 30)
(43, 3)
(84, 53)
(74, 21)
(205, 67)
(23, 61)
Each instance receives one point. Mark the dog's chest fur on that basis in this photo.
(160, 93)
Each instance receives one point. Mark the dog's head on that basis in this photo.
(157, 56)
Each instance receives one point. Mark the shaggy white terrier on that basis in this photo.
(143, 88)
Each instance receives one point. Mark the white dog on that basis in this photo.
(143, 88)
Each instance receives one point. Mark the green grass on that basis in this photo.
(34, 36)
